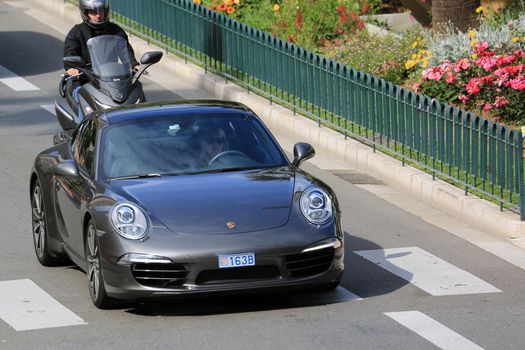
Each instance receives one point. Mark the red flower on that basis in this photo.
(513, 70)
(504, 60)
(343, 19)
(299, 20)
(487, 80)
(341, 9)
(230, 10)
(290, 38)
(360, 24)
(365, 7)
(473, 86)
(222, 7)
(450, 78)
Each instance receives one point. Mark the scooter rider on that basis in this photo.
(95, 22)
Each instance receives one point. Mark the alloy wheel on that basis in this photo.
(93, 262)
(39, 221)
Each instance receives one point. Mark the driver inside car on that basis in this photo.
(212, 141)
(95, 22)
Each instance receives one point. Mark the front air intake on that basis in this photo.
(310, 263)
(160, 275)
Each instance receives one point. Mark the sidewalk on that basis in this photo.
(331, 147)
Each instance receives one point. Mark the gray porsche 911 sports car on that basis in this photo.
(192, 197)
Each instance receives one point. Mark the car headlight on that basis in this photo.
(316, 206)
(129, 221)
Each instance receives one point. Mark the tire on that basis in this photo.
(95, 276)
(40, 233)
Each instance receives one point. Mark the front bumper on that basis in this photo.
(279, 264)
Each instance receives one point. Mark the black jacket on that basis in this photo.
(76, 41)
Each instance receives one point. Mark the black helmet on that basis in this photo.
(100, 6)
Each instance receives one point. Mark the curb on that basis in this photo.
(438, 194)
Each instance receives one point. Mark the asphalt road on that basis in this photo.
(388, 299)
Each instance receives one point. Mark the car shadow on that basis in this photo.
(362, 279)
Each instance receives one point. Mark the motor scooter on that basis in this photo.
(108, 82)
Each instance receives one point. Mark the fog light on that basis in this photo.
(134, 258)
(327, 243)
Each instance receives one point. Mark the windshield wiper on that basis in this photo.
(140, 176)
(222, 170)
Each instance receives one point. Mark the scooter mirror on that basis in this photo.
(74, 61)
(151, 57)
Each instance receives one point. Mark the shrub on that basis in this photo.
(381, 56)
(305, 22)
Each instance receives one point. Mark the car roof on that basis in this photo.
(156, 109)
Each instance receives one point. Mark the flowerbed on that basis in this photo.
(487, 83)
(481, 71)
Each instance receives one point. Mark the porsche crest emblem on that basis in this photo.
(231, 225)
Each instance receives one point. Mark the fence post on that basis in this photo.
(520, 175)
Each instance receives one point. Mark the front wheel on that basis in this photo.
(97, 291)
(40, 227)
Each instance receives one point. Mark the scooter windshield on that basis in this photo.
(110, 59)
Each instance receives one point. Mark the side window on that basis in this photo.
(83, 146)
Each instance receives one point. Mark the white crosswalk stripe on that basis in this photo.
(433, 331)
(49, 108)
(15, 82)
(25, 306)
(426, 271)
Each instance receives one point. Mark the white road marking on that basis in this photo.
(49, 108)
(25, 306)
(428, 272)
(14, 81)
(433, 331)
(338, 295)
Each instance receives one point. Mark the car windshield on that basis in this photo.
(110, 59)
(182, 145)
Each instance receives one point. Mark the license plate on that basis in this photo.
(236, 260)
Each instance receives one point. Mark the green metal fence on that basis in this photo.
(466, 149)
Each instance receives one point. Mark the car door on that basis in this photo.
(72, 192)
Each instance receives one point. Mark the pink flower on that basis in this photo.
(463, 98)
(462, 64)
(446, 66)
(450, 78)
(432, 73)
(487, 107)
(487, 63)
(518, 83)
(416, 87)
(500, 101)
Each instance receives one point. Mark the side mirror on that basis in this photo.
(66, 168)
(74, 61)
(151, 57)
(301, 152)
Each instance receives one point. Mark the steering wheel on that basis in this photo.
(226, 153)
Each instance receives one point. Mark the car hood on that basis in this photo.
(209, 203)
